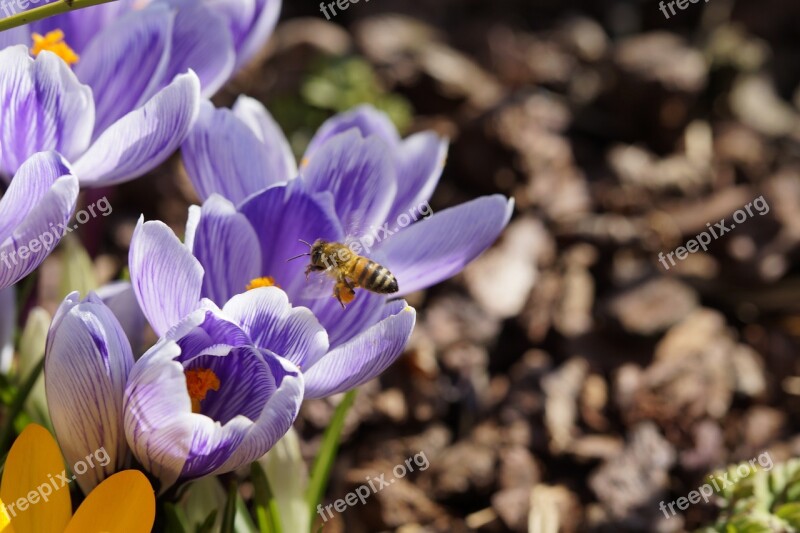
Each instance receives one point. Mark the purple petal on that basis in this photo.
(223, 155)
(420, 161)
(276, 417)
(273, 324)
(226, 246)
(37, 205)
(87, 364)
(201, 42)
(126, 63)
(258, 32)
(361, 176)
(18, 35)
(80, 27)
(144, 138)
(281, 158)
(281, 216)
(166, 277)
(42, 107)
(364, 357)
(8, 321)
(365, 118)
(120, 297)
(439, 247)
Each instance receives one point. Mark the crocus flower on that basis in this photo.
(104, 132)
(215, 393)
(36, 497)
(133, 48)
(224, 255)
(34, 210)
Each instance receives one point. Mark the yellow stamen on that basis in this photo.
(198, 382)
(53, 41)
(267, 281)
(304, 162)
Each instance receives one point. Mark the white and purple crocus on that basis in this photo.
(357, 174)
(215, 393)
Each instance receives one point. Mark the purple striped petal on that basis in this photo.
(227, 156)
(37, 205)
(80, 27)
(87, 364)
(365, 118)
(273, 324)
(361, 176)
(166, 277)
(364, 357)
(144, 138)
(126, 63)
(420, 161)
(258, 32)
(226, 246)
(439, 247)
(42, 107)
(8, 321)
(202, 42)
(120, 297)
(282, 163)
(257, 401)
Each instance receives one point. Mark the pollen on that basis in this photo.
(198, 382)
(53, 41)
(267, 281)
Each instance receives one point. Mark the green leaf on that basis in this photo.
(78, 268)
(175, 519)
(207, 526)
(267, 513)
(16, 407)
(229, 515)
(323, 463)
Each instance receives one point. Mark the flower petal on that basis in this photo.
(80, 27)
(123, 503)
(86, 367)
(42, 107)
(420, 160)
(144, 138)
(202, 42)
(365, 118)
(363, 357)
(277, 416)
(361, 176)
(273, 324)
(120, 297)
(439, 247)
(223, 155)
(227, 247)
(34, 459)
(258, 32)
(166, 277)
(281, 158)
(37, 204)
(126, 63)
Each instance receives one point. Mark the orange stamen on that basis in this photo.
(198, 382)
(53, 41)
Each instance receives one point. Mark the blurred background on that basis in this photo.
(566, 381)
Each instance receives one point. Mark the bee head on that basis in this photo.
(317, 251)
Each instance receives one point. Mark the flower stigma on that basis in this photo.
(53, 41)
(198, 382)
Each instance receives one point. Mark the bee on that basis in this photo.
(349, 270)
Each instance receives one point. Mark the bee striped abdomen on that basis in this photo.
(373, 277)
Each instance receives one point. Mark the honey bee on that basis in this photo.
(349, 270)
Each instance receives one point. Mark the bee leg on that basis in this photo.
(344, 292)
(312, 268)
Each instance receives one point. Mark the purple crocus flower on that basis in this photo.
(34, 210)
(145, 43)
(107, 137)
(215, 393)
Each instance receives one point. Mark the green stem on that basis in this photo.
(17, 405)
(41, 12)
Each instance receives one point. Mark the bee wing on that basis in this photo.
(318, 285)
